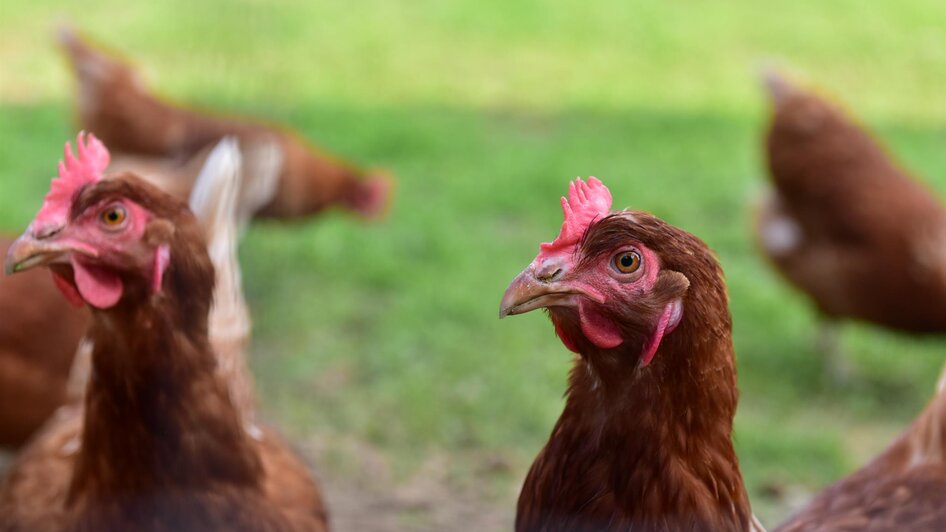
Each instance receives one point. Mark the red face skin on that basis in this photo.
(596, 289)
(99, 244)
(102, 242)
(593, 288)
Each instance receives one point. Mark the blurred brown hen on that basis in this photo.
(163, 440)
(114, 104)
(902, 489)
(845, 224)
(39, 331)
(645, 440)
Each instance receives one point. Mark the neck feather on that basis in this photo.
(155, 405)
(657, 439)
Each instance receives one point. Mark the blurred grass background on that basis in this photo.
(384, 336)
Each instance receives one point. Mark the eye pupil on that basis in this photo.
(627, 262)
(113, 216)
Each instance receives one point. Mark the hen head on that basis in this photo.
(103, 239)
(612, 282)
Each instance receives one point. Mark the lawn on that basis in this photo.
(377, 346)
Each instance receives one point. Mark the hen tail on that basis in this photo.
(262, 167)
(97, 74)
(215, 201)
(777, 85)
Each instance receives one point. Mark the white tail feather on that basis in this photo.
(262, 165)
(215, 200)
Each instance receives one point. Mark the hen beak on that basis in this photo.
(528, 292)
(29, 252)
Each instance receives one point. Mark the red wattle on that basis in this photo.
(600, 330)
(99, 287)
(68, 290)
(566, 339)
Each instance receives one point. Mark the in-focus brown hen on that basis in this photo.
(114, 104)
(645, 440)
(845, 224)
(161, 441)
(902, 489)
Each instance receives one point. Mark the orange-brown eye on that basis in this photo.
(627, 261)
(113, 216)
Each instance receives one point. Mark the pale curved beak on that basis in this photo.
(27, 252)
(527, 293)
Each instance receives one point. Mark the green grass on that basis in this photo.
(387, 333)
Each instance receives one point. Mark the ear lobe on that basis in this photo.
(162, 257)
(671, 284)
(158, 231)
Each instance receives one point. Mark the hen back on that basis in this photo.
(902, 489)
(115, 105)
(845, 224)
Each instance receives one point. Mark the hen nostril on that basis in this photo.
(549, 276)
(47, 232)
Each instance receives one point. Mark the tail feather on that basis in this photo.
(263, 164)
(95, 70)
(778, 86)
(215, 201)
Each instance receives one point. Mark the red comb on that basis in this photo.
(586, 203)
(74, 173)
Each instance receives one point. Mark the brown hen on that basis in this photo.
(645, 440)
(160, 442)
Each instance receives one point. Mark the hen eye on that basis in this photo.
(113, 216)
(627, 261)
